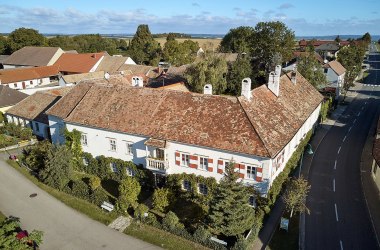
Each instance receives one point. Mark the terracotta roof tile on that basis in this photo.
(33, 56)
(78, 63)
(24, 74)
(111, 64)
(337, 67)
(76, 78)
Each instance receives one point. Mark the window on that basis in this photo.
(37, 127)
(251, 172)
(185, 160)
(326, 70)
(202, 188)
(113, 144)
(15, 85)
(186, 185)
(85, 161)
(83, 139)
(130, 171)
(31, 82)
(114, 167)
(203, 163)
(129, 148)
(159, 153)
(252, 201)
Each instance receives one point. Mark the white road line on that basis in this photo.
(349, 129)
(341, 245)
(344, 137)
(355, 119)
(334, 185)
(362, 108)
(339, 149)
(358, 114)
(365, 103)
(336, 213)
(335, 165)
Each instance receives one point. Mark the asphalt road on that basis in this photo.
(63, 227)
(339, 217)
(373, 77)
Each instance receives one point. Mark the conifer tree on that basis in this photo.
(230, 213)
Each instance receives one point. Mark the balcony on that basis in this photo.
(156, 165)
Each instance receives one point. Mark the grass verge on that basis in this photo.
(87, 208)
(2, 217)
(160, 238)
(286, 240)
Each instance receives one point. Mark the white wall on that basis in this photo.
(96, 65)
(130, 61)
(29, 83)
(42, 128)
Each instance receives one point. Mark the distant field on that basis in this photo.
(205, 44)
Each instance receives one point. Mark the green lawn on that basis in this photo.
(283, 240)
(160, 238)
(82, 206)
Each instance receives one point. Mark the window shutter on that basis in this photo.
(220, 166)
(241, 175)
(242, 166)
(210, 165)
(194, 161)
(259, 174)
(177, 159)
(236, 165)
(210, 169)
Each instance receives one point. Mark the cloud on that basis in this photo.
(286, 6)
(195, 5)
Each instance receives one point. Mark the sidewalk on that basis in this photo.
(271, 224)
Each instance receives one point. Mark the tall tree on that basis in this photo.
(179, 53)
(3, 44)
(129, 190)
(238, 40)
(351, 58)
(366, 38)
(144, 49)
(57, 168)
(230, 213)
(239, 70)
(22, 37)
(311, 69)
(271, 39)
(212, 70)
(295, 196)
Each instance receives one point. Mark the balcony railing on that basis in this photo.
(155, 164)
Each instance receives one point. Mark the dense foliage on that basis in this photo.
(22, 37)
(311, 69)
(239, 70)
(238, 40)
(295, 196)
(129, 190)
(178, 54)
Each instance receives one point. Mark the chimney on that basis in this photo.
(107, 76)
(137, 81)
(246, 88)
(207, 89)
(274, 80)
(293, 76)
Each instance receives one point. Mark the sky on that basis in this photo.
(304, 17)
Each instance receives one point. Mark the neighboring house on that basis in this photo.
(335, 73)
(173, 132)
(376, 157)
(67, 80)
(31, 111)
(69, 64)
(304, 43)
(148, 71)
(111, 64)
(9, 97)
(22, 78)
(328, 50)
(296, 55)
(2, 59)
(33, 57)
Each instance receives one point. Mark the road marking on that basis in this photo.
(358, 115)
(339, 149)
(336, 213)
(334, 185)
(344, 137)
(335, 165)
(341, 245)
(355, 119)
(362, 108)
(365, 103)
(349, 129)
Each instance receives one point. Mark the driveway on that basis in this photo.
(63, 227)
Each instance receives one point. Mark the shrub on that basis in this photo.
(2, 118)
(98, 196)
(201, 234)
(80, 189)
(26, 134)
(129, 190)
(161, 199)
(140, 211)
(171, 221)
(151, 219)
(94, 182)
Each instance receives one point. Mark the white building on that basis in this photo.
(335, 73)
(176, 132)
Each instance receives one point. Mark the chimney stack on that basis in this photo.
(274, 80)
(207, 89)
(137, 81)
(246, 88)
(294, 75)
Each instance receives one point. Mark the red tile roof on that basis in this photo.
(262, 126)
(78, 63)
(23, 74)
(337, 67)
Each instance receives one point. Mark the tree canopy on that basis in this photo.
(22, 37)
(311, 69)
(212, 70)
(238, 40)
(230, 213)
(129, 190)
(144, 49)
(239, 70)
(295, 196)
(178, 54)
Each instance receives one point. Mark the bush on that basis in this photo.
(2, 118)
(98, 196)
(151, 219)
(140, 211)
(26, 134)
(161, 199)
(94, 182)
(201, 234)
(80, 189)
(171, 221)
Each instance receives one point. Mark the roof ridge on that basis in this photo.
(253, 126)
(76, 105)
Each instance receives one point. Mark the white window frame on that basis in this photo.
(186, 185)
(128, 148)
(252, 201)
(83, 139)
(130, 171)
(113, 145)
(202, 189)
(113, 167)
(203, 162)
(251, 171)
(185, 160)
